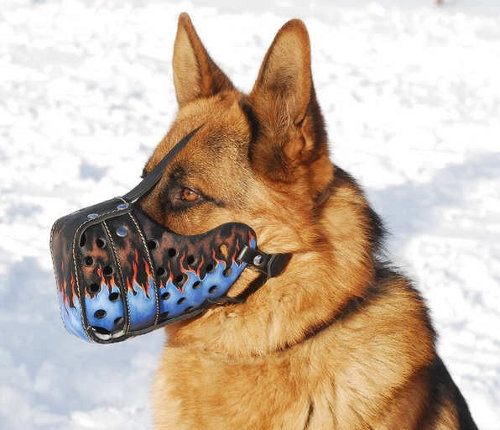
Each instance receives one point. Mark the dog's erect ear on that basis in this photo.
(291, 127)
(195, 74)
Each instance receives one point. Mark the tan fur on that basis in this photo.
(311, 348)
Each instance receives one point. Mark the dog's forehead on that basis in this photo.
(224, 132)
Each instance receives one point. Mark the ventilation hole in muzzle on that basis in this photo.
(107, 270)
(100, 242)
(118, 322)
(188, 309)
(163, 316)
(212, 289)
(224, 250)
(161, 271)
(114, 296)
(190, 260)
(197, 285)
(83, 240)
(88, 260)
(227, 272)
(100, 314)
(94, 288)
(171, 252)
(181, 300)
(165, 296)
(152, 244)
(179, 280)
(209, 268)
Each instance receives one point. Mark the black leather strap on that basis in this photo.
(155, 175)
(269, 264)
(258, 282)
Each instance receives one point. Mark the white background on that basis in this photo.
(411, 96)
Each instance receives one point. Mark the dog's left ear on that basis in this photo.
(195, 73)
(292, 138)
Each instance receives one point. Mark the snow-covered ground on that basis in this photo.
(411, 95)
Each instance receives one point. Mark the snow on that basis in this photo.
(411, 97)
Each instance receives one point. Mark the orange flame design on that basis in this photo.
(181, 264)
(73, 289)
(111, 283)
(236, 249)
(202, 262)
(62, 285)
(63, 288)
(131, 281)
(214, 256)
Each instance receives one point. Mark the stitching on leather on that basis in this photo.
(77, 234)
(77, 277)
(150, 261)
(120, 271)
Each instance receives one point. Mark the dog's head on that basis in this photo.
(259, 159)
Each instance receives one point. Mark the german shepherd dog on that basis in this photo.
(339, 340)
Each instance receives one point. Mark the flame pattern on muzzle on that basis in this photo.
(120, 273)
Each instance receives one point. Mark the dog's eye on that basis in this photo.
(188, 195)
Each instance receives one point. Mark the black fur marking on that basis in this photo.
(309, 415)
(354, 305)
(318, 125)
(216, 202)
(377, 231)
(444, 387)
(251, 120)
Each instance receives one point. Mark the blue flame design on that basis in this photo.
(213, 286)
(72, 317)
(102, 302)
(142, 307)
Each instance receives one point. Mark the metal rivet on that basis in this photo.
(121, 231)
(257, 260)
(122, 206)
(92, 216)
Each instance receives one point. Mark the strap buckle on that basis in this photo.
(271, 265)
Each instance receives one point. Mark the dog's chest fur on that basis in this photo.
(336, 379)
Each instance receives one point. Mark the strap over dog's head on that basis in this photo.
(120, 274)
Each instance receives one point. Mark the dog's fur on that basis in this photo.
(339, 340)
